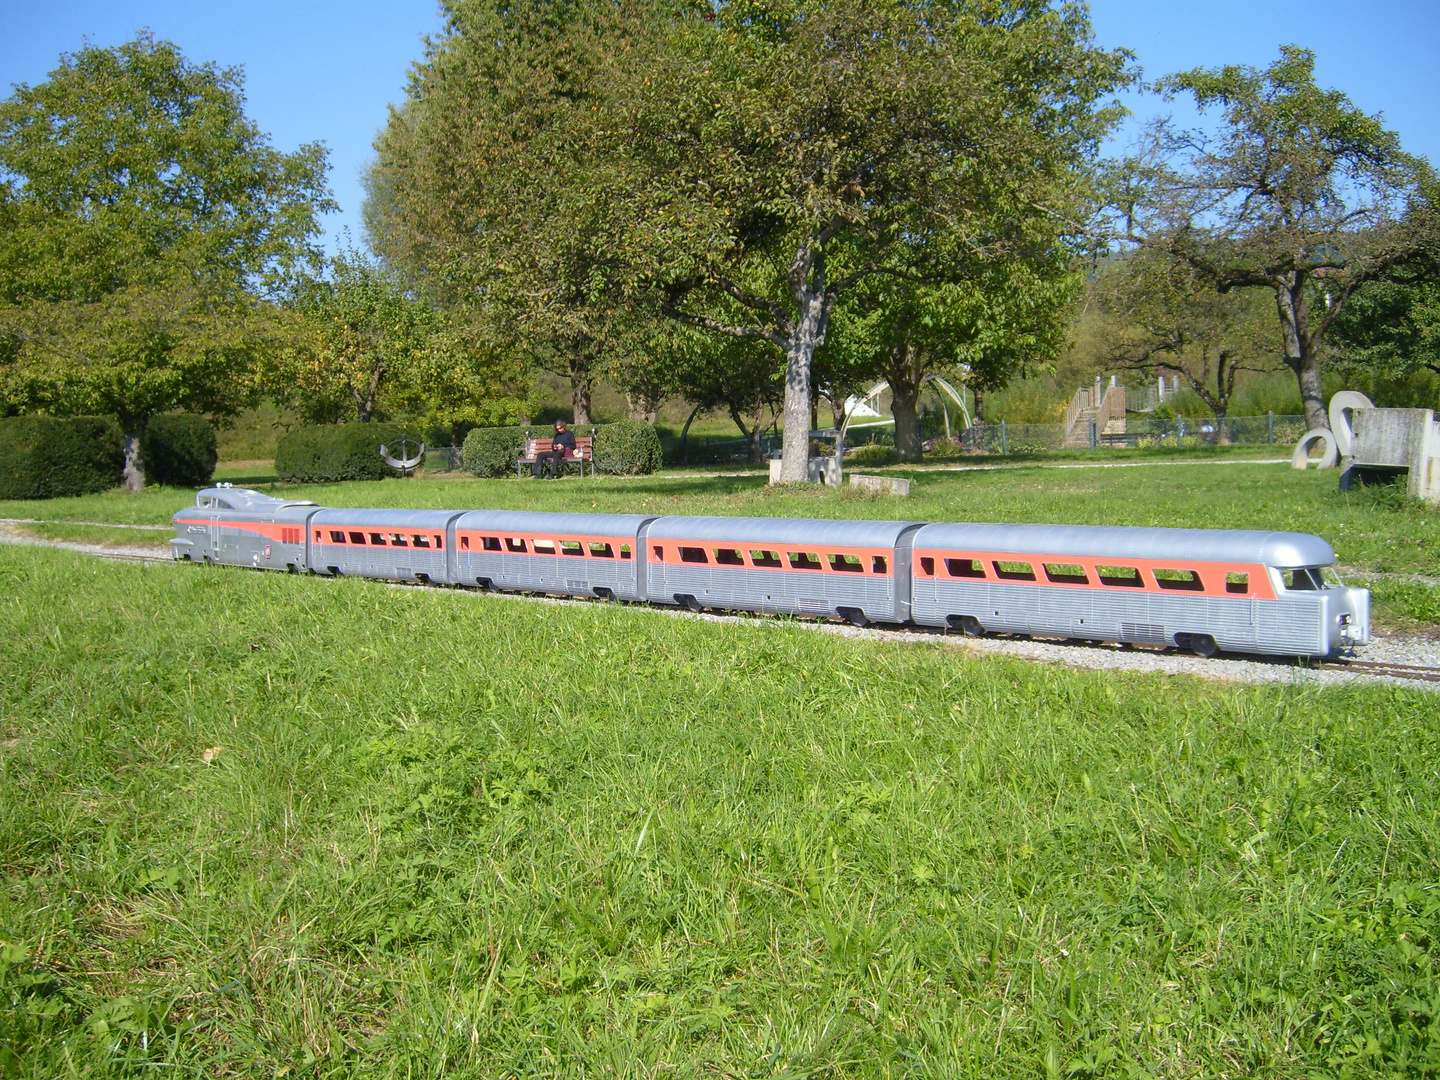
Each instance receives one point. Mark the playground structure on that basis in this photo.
(1100, 414)
(1376, 446)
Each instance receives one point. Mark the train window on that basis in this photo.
(601, 551)
(571, 547)
(543, 547)
(317, 536)
(336, 536)
(420, 541)
(514, 543)
(846, 564)
(1066, 573)
(377, 540)
(625, 551)
(464, 543)
(804, 560)
(1127, 576)
(1237, 582)
(729, 557)
(879, 564)
(1305, 580)
(693, 555)
(1183, 580)
(439, 541)
(490, 543)
(357, 538)
(965, 568)
(1008, 570)
(658, 552)
(398, 540)
(770, 559)
(927, 565)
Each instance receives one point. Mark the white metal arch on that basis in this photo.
(872, 398)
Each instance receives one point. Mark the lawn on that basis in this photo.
(263, 825)
(1374, 530)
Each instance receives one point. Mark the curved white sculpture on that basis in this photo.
(1341, 406)
(1329, 457)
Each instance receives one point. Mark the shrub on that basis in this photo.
(873, 454)
(327, 453)
(42, 457)
(179, 450)
(492, 451)
(627, 448)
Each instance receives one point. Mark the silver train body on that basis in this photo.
(1202, 589)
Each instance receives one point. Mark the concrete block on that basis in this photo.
(1387, 442)
(818, 471)
(881, 485)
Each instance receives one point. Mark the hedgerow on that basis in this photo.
(43, 457)
(327, 453)
(179, 450)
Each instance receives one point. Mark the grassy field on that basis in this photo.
(1375, 530)
(264, 825)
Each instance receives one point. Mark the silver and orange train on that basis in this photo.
(1200, 589)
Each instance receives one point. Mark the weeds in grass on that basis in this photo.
(432, 845)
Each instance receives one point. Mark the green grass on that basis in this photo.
(434, 841)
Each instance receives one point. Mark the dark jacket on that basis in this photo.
(563, 440)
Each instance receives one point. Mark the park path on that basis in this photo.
(1014, 465)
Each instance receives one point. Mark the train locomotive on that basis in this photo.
(1206, 590)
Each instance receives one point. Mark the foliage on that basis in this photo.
(143, 218)
(492, 451)
(46, 457)
(1299, 193)
(694, 803)
(874, 454)
(325, 453)
(1391, 328)
(627, 448)
(179, 450)
(1164, 316)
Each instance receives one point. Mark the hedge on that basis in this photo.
(43, 457)
(327, 453)
(625, 448)
(178, 450)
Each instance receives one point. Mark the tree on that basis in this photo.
(1392, 327)
(781, 153)
(484, 188)
(1300, 193)
(144, 220)
(1164, 315)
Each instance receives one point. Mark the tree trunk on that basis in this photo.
(1300, 353)
(799, 360)
(582, 384)
(979, 396)
(685, 435)
(905, 383)
(133, 473)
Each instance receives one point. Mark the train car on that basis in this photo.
(1201, 589)
(570, 554)
(243, 528)
(858, 570)
(398, 545)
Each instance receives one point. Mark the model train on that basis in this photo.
(1199, 589)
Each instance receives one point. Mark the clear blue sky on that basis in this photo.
(327, 71)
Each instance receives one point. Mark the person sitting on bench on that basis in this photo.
(562, 444)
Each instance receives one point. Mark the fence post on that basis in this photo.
(1179, 432)
(1092, 434)
(1271, 417)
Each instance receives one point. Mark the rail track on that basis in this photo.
(1372, 668)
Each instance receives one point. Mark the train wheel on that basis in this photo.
(853, 615)
(1203, 645)
(968, 625)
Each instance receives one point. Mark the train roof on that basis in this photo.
(792, 531)
(1284, 549)
(557, 524)
(385, 519)
(246, 500)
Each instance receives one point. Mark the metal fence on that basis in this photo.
(1271, 429)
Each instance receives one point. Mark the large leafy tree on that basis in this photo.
(1298, 193)
(1391, 327)
(144, 220)
(782, 153)
(486, 185)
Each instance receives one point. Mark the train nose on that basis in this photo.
(1353, 618)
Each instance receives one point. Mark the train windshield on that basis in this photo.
(1308, 578)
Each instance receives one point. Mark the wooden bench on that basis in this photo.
(584, 452)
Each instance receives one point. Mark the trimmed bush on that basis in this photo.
(492, 451)
(43, 457)
(326, 453)
(178, 450)
(627, 448)
(873, 454)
